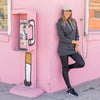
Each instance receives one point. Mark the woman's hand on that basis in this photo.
(76, 46)
(75, 42)
(77, 50)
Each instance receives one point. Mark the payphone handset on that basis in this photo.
(24, 41)
(31, 41)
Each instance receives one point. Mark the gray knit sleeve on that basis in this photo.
(61, 34)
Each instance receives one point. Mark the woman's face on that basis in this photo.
(67, 13)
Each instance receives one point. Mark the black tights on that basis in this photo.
(79, 63)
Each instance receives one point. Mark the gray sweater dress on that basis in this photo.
(66, 34)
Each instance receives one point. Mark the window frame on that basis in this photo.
(7, 32)
(87, 31)
(92, 34)
(9, 17)
(86, 17)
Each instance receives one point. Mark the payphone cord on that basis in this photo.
(87, 40)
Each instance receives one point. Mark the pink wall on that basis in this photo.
(48, 64)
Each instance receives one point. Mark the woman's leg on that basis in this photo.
(79, 61)
(65, 69)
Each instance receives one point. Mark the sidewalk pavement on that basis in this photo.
(89, 90)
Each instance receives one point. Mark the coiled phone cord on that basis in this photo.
(87, 40)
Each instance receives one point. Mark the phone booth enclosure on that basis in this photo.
(17, 38)
(25, 31)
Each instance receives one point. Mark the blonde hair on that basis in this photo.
(70, 19)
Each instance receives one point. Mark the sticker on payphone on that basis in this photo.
(23, 34)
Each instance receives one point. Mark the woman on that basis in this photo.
(68, 45)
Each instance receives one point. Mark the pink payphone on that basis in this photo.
(24, 41)
(24, 25)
